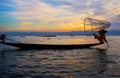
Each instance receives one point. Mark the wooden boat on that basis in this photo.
(49, 46)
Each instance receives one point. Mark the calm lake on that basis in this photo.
(96, 62)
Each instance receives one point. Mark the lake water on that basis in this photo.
(96, 62)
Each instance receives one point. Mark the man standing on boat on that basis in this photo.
(2, 37)
(101, 37)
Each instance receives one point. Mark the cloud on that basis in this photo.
(64, 12)
(41, 10)
(38, 10)
(27, 24)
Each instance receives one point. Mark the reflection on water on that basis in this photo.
(75, 63)
(64, 63)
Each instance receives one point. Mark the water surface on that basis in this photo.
(96, 62)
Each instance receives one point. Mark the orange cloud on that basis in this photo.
(27, 23)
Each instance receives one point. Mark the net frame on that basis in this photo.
(87, 19)
(101, 23)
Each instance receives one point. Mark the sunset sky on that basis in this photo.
(56, 15)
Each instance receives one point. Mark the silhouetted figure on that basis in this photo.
(2, 37)
(101, 37)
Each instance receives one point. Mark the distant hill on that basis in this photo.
(112, 32)
(42, 33)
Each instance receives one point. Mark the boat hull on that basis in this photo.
(50, 46)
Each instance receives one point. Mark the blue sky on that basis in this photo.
(56, 15)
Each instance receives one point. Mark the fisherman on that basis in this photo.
(101, 37)
(2, 37)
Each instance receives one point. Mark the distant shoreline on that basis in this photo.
(73, 33)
